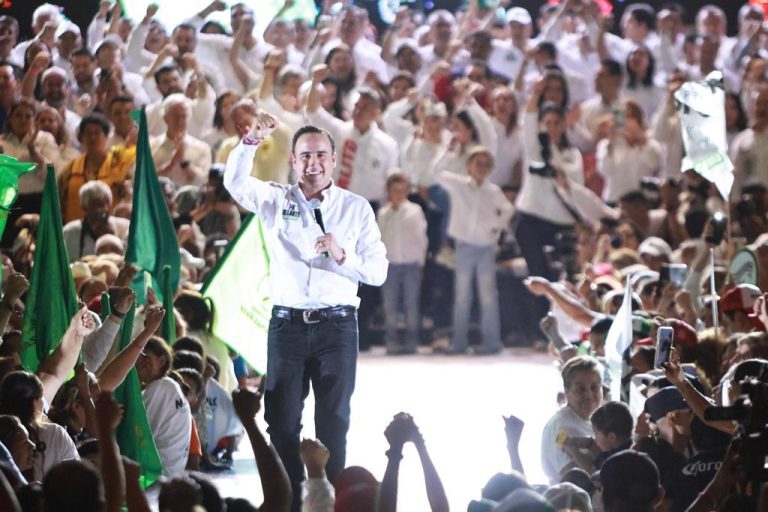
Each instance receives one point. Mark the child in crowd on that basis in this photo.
(479, 211)
(404, 233)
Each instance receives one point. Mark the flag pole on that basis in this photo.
(713, 290)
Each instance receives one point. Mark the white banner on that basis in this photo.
(701, 108)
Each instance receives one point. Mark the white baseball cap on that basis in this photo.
(519, 15)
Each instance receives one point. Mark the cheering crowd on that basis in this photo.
(524, 169)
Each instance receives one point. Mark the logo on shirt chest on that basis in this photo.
(179, 404)
(291, 212)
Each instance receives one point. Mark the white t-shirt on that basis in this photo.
(224, 421)
(553, 459)
(58, 448)
(170, 419)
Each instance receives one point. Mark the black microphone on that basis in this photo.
(315, 204)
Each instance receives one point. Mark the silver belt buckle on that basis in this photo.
(310, 316)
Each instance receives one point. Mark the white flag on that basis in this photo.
(618, 340)
(701, 108)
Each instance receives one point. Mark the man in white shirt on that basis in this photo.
(124, 131)
(55, 89)
(169, 80)
(213, 49)
(583, 385)
(367, 153)
(479, 211)
(45, 19)
(177, 155)
(323, 241)
(67, 41)
(588, 131)
(404, 233)
(749, 150)
(109, 56)
(80, 236)
(507, 56)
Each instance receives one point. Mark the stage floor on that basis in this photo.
(458, 403)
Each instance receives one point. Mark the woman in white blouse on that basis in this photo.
(628, 155)
(544, 205)
(640, 84)
(510, 155)
(24, 142)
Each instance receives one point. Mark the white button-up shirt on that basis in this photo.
(196, 152)
(404, 233)
(478, 212)
(376, 154)
(300, 277)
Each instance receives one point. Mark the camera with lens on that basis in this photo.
(750, 412)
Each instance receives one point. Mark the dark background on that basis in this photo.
(81, 11)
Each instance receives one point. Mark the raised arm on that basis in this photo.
(274, 479)
(572, 307)
(117, 369)
(398, 432)
(252, 194)
(15, 287)
(319, 494)
(268, 32)
(110, 414)
(55, 368)
(438, 501)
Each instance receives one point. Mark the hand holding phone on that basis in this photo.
(664, 339)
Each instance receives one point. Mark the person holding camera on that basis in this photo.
(545, 207)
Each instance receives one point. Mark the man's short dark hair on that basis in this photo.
(120, 99)
(643, 14)
(548, 49)
(73, 486)
(613, 418)
(167, 68)
(397, 177)
(613, 67)
(82, 52)
(184, 26)
(311, 129)
(630, 482)
(189, 343)
(94, 118)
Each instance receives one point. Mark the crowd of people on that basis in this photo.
(523, 171)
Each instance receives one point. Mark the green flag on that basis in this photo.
(152, 242)
(51, 300)
(134, 435)
(169, 320)
(10, 171)
(106, 307)
(239, 289)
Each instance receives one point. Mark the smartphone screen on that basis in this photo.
(664, 339)
(677, 274)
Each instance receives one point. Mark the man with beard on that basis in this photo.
(55, 89)
(323, 240)
(83, 65)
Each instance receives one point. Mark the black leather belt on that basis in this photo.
(312, 316)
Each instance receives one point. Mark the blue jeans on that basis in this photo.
(324, 354)
(475, 262)
(402, 290)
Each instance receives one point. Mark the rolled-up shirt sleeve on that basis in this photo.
(253, 194)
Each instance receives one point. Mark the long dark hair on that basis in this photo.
(551, 108)
(18, 393)
(463, 116)
(218, 115)
(555, 73)
(741, 121)
(196, 311)
(344, 85)
(635, 81)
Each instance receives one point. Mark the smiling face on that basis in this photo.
(585, 393)
(313, 160)
(149, 366)
(21, 448)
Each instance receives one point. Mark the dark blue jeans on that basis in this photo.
(325, 355)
